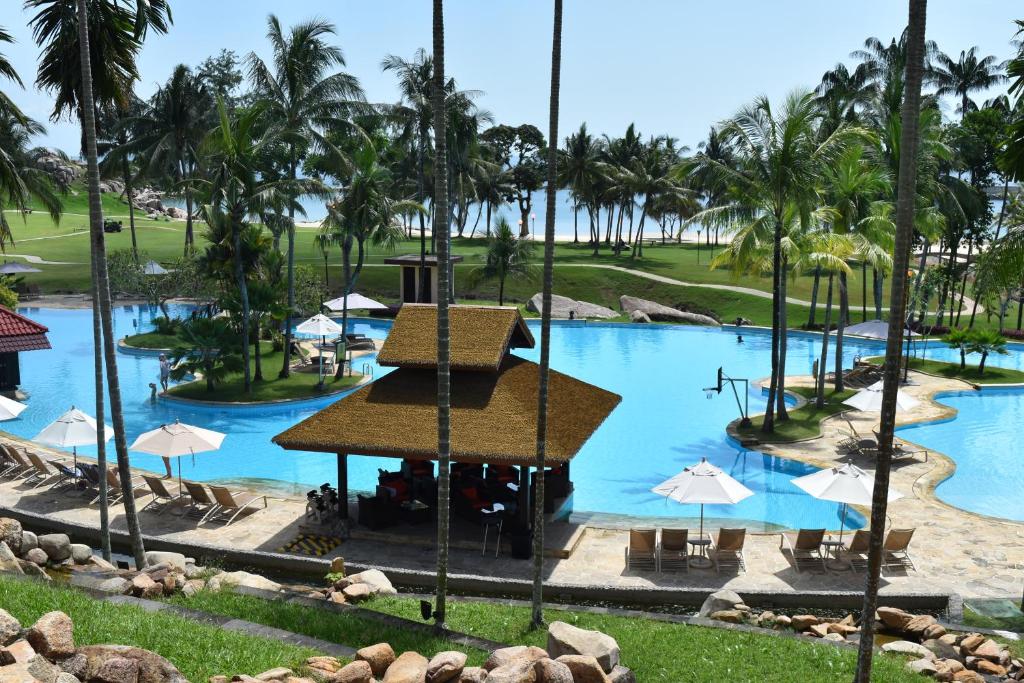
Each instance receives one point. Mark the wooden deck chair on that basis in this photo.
(901, 449)
(70, 477)
(201, 502)
(642, 551)
(43, 473)
(162, 496)
(115, 494)
(805, 547)
(857, 552)
(673, 554)
(230, 508)
(895, 549)
(728, 549)
(16, 466)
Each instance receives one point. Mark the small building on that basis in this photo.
(409, 278)
(17, 334)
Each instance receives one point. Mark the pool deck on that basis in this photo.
(956, 552)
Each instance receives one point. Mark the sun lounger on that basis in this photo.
(901, 449)
(673, 554)
(642, 551)
(115, 494)
(805, 546)
(895, 549)
(201, 502)
(230, 508)
(16, 466)
(857, 552)
(163, 498)
(43, 473)
(70, 477)
(728, 549)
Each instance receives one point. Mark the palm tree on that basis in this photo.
(442, 233)
(905, 209)
(986, 342)
(114, 130)
(965, 75)
(507, 255)
(957, 339)
(579, 172)
(303, 100)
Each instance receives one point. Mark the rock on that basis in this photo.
(802, 622)
(732, 616)
(12, 534)
(357, 592)
(277, 674)
(584, 668)
(117, 585)
(115, 670)
(656, 311)
(10, 628)
(101, 564)
(337, 597)
(834, 637)
(918, 624)
(968, 676)
(354, 672)
(56, 546)
(505, 655)
(52, 635)
(338, 565)
(176, 213)
(639, 317)
(983, 666)
(953, 665)
(783, 621)
(519, 671)
(621, 674)
(940, 649)
(80, 553)
(34, 570)
(37, 555)
(410, 667)
(473, 674)
(76, 665)
(893, 617)
(192, 586)
(244, 580)
(152, 668)
(445, 666)
(20, 651)
(565, 639)
(154, 557)
(819, 630)
(990, 650)
(42, 670)
(64, 677)
(561, 306)
(922, 666)
(8, 560)
(933, 632)
(375, 579)
(971, 641)
(550, 671)
(28, 541)
(719, 601)
(905, 647)
(379, 657)
(842, 629)
(143, 586)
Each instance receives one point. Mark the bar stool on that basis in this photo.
(493, 519)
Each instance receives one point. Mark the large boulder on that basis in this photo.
(10, 627)
(379, 657)
(80, 553)
(621, 674)
(37, 556)
(354, 672)
(116, 584)
(662, 313)
(894, 618)
(445, 666)
(550, 671)
(584, 668)
(563, 306)
(52, 635)
(410, 667)
(906, 647)
(718, 601)
(566, 639)
(12, 534)
(517, 671)
(28, 541)
(8, 561)
(473, 674)
(174, 560)
(56, 546)
(243, 579)
(143, 586)
(506, 655)
(152, 668)
(375, 579)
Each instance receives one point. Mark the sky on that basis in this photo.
(673, 67)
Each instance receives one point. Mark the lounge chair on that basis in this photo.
(43, 473)
(857, 552)
(805, 546)
(901, 449)
(895, 549)
(302, 353)
(673, 554)
(70, 477)
(728, 549)
(16, 466)
(115, 494)
(642, 552)
(230, 508)
(201, 503)
(162, 496)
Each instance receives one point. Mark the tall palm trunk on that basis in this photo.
(257, 375)
(864, 291)
(443, 332)
(101, 439)
(99, 256)
(820, 399)
(346, 289)
(963, 284)
(424, 283)
(781, 410)
(131, 207)
(537, 618)
(814, 296)
(906, 187)
(768, 425)
(919, 278)
(844, 312)
(189, 235)
(575, 222)
(237, 218)
(286, 366)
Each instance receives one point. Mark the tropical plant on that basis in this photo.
(507, 256)
(580, 172)
(114, 130)
(1011, 158)
(986, 342)
(517, 150)
(958, 339)
(967, 74)
(210, 347)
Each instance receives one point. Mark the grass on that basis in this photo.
(804, 422)
(152, 340)
(271, 388)
(199, 651)
(1014, 623)
(992, 375)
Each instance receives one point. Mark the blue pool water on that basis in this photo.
(663, 424)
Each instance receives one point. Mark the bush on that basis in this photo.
(165, 325)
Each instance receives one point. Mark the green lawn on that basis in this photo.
(199, 651)
(152, 340)
(992, 374)
(271, 388)
(803, 423)
(1015, 624)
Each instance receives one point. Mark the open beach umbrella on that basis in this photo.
(13, 268)
(10, 409)
(321, 326)
(175, 440)
(703, 483)
(874, 329)
(849, 485)
(154, 268)
(355, 301)
(74, 428)
(870, 399)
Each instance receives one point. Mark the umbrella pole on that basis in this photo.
(842, 523)
(701, 535)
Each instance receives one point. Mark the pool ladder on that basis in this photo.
(367, 370)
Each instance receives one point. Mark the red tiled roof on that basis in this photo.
(18, 333)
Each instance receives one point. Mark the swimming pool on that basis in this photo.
(663, 424)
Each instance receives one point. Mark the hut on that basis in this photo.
(493, 413)
(17, 334)
(409, 275)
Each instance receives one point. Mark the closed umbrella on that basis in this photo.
(321, 326)
(874, 329)
(10, 409)
(13, 268)
(355, 301)
(175, 440)
(703, 483)
(154, 268)
(74, 428)
(870, 399)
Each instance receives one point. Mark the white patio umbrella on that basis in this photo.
(74, 428)
(13, 268)
(10, 409)
(849, 485)
(870, 399)
(154, 268)
(355, 301)
(705, 484)
(874, 329)
(175, 440)
(321, 326)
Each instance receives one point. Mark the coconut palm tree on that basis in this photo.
(442, 233)
(905, 209)
(537, 618)
(507, 256)
(88, 59)
(302, 97)
(965, 75)
(579, 171)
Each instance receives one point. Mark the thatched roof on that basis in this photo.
(480, 337)
(493, 418)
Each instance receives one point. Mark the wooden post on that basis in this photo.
(343, 485)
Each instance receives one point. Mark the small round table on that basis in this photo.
(700, 559)
(832, 549)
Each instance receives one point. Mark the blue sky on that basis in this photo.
(671, 66)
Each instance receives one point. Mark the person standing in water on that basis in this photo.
(165, 372)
